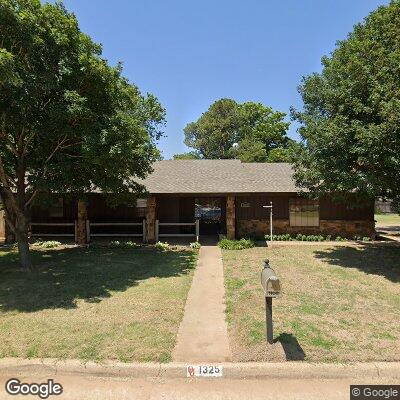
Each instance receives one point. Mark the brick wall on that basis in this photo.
(327, 227)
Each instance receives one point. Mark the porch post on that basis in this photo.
(151, 219)
(81, 223)
(230, 217)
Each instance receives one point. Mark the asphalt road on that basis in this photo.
(90, 388)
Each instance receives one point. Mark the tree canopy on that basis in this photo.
(190, 155)
(68, 120)
(257, 130)
(350, 124)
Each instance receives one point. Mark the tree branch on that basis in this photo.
(51, 155)
(7, 192)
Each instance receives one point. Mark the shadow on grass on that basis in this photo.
(70, 274)
(291, 347)
(370, 258)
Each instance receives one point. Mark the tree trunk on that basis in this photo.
(24, 254)
(21, 233)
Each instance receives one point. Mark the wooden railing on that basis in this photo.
(89, 225)
(195, 224)
(58, 234)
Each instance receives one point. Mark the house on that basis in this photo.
(384, 206)
(207, 197)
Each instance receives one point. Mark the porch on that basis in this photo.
(162, 217)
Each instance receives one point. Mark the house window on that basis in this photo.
(208, 209)
(141, 203)
(141, 206)
(303, 212)
(57, 209)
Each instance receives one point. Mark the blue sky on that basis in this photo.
(190, 53)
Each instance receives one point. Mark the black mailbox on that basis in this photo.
(272, 288)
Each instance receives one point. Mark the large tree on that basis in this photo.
(350, 123)
(190, 155)
(68, 121)
(255, 128)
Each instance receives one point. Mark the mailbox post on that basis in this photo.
(268, 320)
(272, 288)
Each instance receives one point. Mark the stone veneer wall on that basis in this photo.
(326, 227)
(151, 220)
(230, 217)
(81, 222)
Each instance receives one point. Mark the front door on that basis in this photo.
(210, 212)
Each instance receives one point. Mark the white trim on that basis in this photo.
(176, 235)
(116, 235)
(52, 223)
(142, 224)
(52, 235)
(116, 223)
(196, 234)
(177, 223)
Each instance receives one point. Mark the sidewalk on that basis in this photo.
(203, 335)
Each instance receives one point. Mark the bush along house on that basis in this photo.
(206, 197)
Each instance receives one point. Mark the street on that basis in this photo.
(99, 388)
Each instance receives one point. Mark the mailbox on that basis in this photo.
(272, 288)
(269, 281)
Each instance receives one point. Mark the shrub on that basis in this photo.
(302, 238)
(162, 245)
(235, 244)
(128, 244)
(195, 245)
(47, 244)
(366, 239)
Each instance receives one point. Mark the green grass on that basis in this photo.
(387, 220)
(94, 304)
(339, 303)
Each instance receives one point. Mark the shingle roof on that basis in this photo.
(219, 176)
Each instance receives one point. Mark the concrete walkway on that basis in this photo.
(203, 334)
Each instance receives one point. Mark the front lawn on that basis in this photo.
(339, 303)
(387, 222)
(94, 304)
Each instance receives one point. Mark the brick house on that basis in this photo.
(208, 197)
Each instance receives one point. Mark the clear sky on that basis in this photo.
(190, 53)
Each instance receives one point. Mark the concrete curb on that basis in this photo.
(285, 370)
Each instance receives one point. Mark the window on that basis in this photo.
(141, 203)
(57, 209)
(141, 206)
(208, 209)
(303, 212)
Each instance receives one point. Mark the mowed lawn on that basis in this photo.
(339, 303)
(94, 304)
(388, 222)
